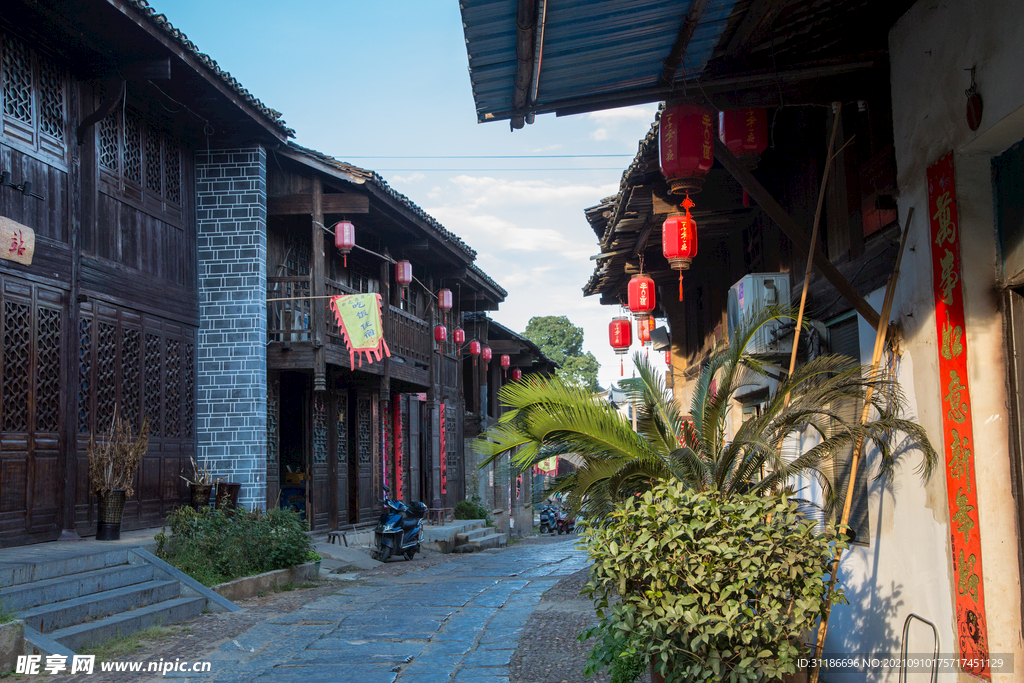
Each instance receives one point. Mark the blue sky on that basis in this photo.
(377, 79)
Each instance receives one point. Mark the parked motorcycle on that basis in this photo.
(566, 522)
(399, 529)
(548, 519)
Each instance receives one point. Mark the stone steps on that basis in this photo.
(115, 626)
(53, 617)
(491, 540)
(472, 534)
(48, 591)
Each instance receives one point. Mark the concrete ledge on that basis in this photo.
(251, 586)
(37, 643)
(12, 644)
(189, 586)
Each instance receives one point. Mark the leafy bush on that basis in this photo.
(471, 509)
(214, 546)
(6, 614)
(712, 588)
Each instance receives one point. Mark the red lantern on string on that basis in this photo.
(641, 295)
(679, 241)
(506, 362)
(686, 146)
(444, 299)
(459, 336)
(620, 336)
(403, 275)
(440, 334)
(643, 331)
(474, 348)
(344, 238)
(517, 374)
(745, 133)
(486, 354)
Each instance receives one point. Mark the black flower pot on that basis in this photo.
(108, 519)
(199, 496)
(227, 495)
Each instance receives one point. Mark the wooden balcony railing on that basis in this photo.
(290, 318)
(408, 336)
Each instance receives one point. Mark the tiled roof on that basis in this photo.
(374, 178)
(160, 21)
(486, 278)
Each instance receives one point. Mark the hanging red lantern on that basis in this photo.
(403, 275)
(643, 330)
(344, 238)
(440, 334)
(517, 374)
(641, 295)
(506, 362)
(444, 299)
(486, 354)
(679, 241)
(745, 133)
(620, 336)
(459, 336)
(686, 146)
(474, 348)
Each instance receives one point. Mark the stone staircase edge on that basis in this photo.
(44, 644)
(215, 601)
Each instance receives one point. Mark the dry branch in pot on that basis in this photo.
(202, 475)
(115, 458)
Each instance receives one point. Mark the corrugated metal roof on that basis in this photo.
(589, 47)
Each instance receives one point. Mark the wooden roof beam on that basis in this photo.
(675, 57)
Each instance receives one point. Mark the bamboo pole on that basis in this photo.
(876, 357)
(837, 116)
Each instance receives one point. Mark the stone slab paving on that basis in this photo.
(458, 622)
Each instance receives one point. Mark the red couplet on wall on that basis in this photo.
(957, 420)
(444, 458)
(396, 407)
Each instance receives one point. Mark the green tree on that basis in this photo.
(562, 342)
(550, 417)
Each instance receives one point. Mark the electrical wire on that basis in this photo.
(492, 156)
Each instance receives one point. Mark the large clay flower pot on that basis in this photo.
(108, 519)
(199, 495)
(227, 495)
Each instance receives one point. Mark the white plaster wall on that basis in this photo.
(907, 569)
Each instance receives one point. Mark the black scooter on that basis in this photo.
(548, 519)
(399, 529)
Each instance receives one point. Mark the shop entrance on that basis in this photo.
(293, 472)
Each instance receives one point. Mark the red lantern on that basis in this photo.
(506, 362)
(459, 336)
(745, 133)
(486, 354)
(344, 238)
(403, 275)
(517, 374)
(679, 241)
(641, 295)
(643, 330)
(620, 336)
(440, 334)
(474, 348)
(444, 299)
(686, 146)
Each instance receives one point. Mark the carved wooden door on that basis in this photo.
(339, 458)
(273, 439)
(318, 498)
(366, 451)
(31, 318)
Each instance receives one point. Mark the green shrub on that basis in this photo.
(712, 588)
(213, 546)
(6, 614)
(471, 509)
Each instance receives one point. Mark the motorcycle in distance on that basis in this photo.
(566, 523)
(399, 529)
(548, 519)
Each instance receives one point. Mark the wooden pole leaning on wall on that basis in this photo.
(837, 108)
(876, 357)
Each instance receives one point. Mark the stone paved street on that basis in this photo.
(456, 621)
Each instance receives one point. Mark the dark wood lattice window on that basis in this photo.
(297, 249)
(138, 159)
(85, 326)
(130, 371)
(106, 374)
(33, 97)
(319, 430)
(342, 429)
(47, 369)
(153, 381)
(17, 346)
(273, 420)
(188, 394)
(364, 425)
(172, 384)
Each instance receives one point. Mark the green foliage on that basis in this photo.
(471, 509)
(562, 342)
(553, 417)
(214, 546)
(6, 614)
(708, 587)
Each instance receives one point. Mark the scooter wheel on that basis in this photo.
(543, 528)
(384, 554)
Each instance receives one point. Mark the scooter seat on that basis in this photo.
(409, 523)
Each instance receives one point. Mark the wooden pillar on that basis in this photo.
(433, 402)
(385, 323)
(318, 288)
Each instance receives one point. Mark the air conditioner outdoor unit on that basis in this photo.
(753, 292)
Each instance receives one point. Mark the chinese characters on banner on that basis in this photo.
(358, 317)
(957, 425)
(17, 242)
(444, 455)
(396, 406)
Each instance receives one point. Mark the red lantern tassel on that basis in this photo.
(344, 258)
(680, 285)
(622, 368)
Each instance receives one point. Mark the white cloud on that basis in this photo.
(479, 191)
(599, 135)
(407, 178)
(641, 112)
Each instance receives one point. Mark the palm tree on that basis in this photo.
(550, 417)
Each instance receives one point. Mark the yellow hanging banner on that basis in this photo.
(358, 317)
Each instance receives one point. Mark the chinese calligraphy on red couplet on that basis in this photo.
(957, 426)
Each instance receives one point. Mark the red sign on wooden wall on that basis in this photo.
(957, 423)
(396, 406)
(443, 455)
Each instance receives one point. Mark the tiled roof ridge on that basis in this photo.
(160, 21)
(487, 278)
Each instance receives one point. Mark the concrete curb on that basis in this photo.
(12, 644)
(251, 586)
(214, 601)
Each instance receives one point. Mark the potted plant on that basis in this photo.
(200, 485)
(113, 462)
(227, 495)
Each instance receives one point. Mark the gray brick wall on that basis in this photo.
(231, 213)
